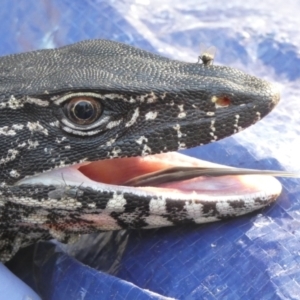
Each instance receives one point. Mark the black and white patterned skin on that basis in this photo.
(149, 105)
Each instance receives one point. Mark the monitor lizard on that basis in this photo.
(78, 122)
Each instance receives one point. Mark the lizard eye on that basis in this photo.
(83, 110)
(82, 113)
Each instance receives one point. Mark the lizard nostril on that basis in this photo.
(221, 101)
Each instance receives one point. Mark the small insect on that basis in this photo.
(63, 191)
(207, 55)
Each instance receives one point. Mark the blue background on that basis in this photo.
(253, 257)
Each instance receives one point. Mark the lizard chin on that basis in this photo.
(235, 195)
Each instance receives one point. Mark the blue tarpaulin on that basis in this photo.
(256, 256)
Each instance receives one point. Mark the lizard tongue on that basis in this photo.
(159, 169)
(184, 173)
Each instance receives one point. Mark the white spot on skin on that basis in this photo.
(224, 207)
(68, 147)
(6, 131)
(134, 117)
(194, 210)
(113, 124)
(237, 117)
(212, 126)
(151, 115)
(36, 127)
(213, 129)
(258, 116)
(214, 99)
(14, 174)
(116, 203)
(148, 98)
(110, 142)
(152, 98)
(182, 113)
(181, 146)
(114, 153)
(35, 218)
(236, 124)
(62, 163)
(11, 131)
(157, 221)
(48, 150)
(54, 124)
(58, 141)
(179, 133)
(147, 150)
(210, 113)
(37, 102)
(11, 155)
(81, 133)
(51, 203)
(32, 144)
(158, 206)
(12, 103)
(141, 140)
(17, 126)
(213, 136)
(22, 145)
(82, 160)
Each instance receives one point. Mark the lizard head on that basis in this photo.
(86, 115)
(100, 99)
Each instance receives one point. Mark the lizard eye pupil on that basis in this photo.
(83, 110)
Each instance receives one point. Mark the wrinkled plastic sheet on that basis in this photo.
(252, 257)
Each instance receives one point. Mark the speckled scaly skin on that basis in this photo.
(150, 104)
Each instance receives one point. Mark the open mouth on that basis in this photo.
(203, 198)
(169, 173)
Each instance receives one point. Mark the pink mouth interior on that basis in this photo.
(118, 171)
